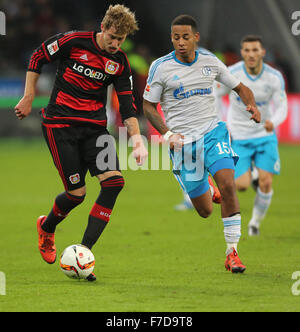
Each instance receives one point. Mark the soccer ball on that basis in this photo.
(77, 262)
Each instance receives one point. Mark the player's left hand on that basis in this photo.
(23, 108)
(269, 126)
(176, 142)
(256, 116)
(140, 153)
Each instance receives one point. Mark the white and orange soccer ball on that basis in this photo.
(77, 261)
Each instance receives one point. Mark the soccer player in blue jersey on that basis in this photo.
(256, 143)
(182, 82)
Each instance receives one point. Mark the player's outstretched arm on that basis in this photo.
(154, 117)
(150, 110)
(24, 106)
(248, 99)
(140, 153)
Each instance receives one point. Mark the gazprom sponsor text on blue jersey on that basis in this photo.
(181, 94)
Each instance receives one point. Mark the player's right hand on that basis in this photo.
(23, 108)
(256, 116)
(140, 153)
(176, 142)
(269, 126)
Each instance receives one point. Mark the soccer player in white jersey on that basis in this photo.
(182, 82)
(256, 143)
(186, 203)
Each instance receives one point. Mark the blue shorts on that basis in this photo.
(263, 151)
(217, 155)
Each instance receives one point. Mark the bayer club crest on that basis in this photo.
(111, 67)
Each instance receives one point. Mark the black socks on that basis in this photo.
(63, 204)
(101, 211)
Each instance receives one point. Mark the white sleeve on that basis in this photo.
(280, 102)
(154, 86)
(225, 77)
(221, 90)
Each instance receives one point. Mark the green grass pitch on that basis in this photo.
(150, 257)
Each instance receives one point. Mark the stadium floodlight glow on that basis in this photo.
(2, 23)
(296, 25)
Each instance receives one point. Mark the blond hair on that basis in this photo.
(121, 18)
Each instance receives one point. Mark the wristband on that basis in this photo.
(167, 135)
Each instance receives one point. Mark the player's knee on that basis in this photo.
(227, 188)
(80, 192)
(204, 212)
(113, 184)
(265, 185)
(242, 184)
(241, 187)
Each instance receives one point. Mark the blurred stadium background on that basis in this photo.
(221, 23)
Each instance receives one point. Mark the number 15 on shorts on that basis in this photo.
(224, 147)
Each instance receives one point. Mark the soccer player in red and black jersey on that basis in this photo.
(76, 117)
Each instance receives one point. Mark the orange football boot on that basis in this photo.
(216, 195)
(233, 263)
(46, 242)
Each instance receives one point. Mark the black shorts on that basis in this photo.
(79, 148)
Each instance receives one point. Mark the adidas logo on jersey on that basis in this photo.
(84, 57)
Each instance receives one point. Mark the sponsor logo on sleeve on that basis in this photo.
(53, 48)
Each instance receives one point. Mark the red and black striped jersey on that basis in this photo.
(83, 74)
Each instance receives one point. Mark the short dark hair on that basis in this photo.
(185, 20)
(252, 38)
